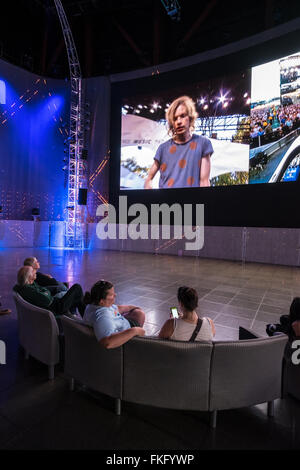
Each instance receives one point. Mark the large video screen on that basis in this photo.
(275, 121)
(233, 130)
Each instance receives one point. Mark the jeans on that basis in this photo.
(72, 299)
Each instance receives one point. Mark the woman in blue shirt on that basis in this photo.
(113, 324)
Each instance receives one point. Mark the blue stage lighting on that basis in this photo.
(2, 92)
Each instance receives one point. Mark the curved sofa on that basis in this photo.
(177, 374)
(38, 333)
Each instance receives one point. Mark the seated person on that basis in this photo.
(294, 319)
(291, 367)
(42, 297)
(183, 328)
(296, 329)
(45, 280)
(289, 324)
(113, 324)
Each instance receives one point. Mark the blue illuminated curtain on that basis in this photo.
(34, 116)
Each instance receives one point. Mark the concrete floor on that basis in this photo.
(38, 414)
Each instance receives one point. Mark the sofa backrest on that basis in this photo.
(90, 363)
(246, 372)
(170, 374)
(177, 374)
(38, 331)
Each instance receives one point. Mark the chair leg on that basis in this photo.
(72, 384)
(213, 418)
(271, 409)
(50, 372)
(118, 406)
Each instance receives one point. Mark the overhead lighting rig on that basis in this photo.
(76, 172)
(172, 8)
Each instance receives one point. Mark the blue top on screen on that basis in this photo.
(180, 163)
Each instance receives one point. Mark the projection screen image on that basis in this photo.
(246, 130)
(275, 121)
(220, 132)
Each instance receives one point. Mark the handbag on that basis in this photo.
(196, 330)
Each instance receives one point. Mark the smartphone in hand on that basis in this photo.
(174, 312)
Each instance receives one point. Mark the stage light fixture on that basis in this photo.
(172, 8)
(68, 140)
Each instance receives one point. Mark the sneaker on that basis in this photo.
(5, 311)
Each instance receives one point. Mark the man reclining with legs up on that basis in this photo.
(42, 297)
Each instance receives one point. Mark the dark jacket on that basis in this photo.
(44, 281)
(34, 294)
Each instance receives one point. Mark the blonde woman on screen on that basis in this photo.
(184, 160)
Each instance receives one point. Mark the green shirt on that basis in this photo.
(34, 294)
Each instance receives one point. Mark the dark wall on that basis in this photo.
(97, 142)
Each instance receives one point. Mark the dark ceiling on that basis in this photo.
(121, 35)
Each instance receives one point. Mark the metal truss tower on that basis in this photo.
(77, 176)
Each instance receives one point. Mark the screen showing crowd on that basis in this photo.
(275, 121)
(237, 129)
